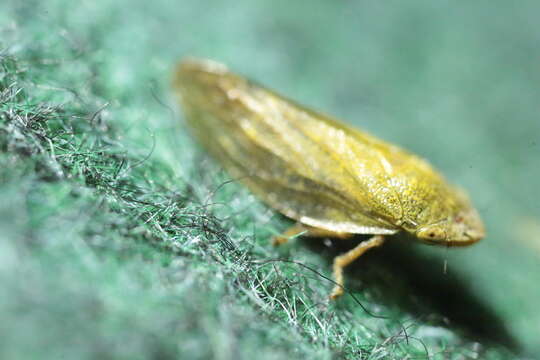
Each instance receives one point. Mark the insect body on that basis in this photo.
(332, 179)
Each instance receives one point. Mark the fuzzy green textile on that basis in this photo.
(121, 239)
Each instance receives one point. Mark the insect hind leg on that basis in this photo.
(342, 261)
(300, 229)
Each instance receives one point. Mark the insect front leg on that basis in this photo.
(300, 229)
(341, 261)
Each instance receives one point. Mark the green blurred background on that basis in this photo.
(456, 82)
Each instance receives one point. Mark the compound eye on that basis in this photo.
(432, 233)
(437, 233)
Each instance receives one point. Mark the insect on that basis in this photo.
(334, 180)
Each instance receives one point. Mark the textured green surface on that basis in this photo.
(117, 240)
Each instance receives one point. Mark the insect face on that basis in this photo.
(459, 230)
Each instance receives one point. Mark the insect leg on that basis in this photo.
(296, 229)
(341, 261)
(300, 229)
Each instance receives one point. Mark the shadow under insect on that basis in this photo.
(399, 274)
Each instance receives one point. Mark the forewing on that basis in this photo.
(297, 163)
